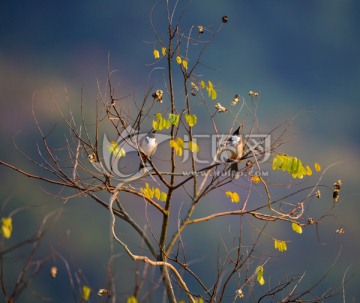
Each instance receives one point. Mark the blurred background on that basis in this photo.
(302, 57)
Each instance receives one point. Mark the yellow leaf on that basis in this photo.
(292, 165)
(308, 170)
(163, 197)
(202, 83)
(261, 280)
(156, 54)
(174, 119)
(162, 123)
(132, 299)
(185, 64)
(234, 197)
(163, 51)
(194, 148)
(180, 142)
(213, 94)
(147, 191)
(156, 125)
(275, 163)
(173, 143)
(116, 150)
(199, 300)
(6, 227)
(157, 193)
(255, 179)
(280, 245)
(158, 116)
(260, 275)
(86, 293)
(296, 228)
(178, 145)
(191, 119)
(178, 60)
(317, 167)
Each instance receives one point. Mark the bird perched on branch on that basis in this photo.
(234, 149)
(147, 146)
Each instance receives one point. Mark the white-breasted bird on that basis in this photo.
(234, 149)
(147, 146)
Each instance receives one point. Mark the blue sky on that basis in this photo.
(302, 56)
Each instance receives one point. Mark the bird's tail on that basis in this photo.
(234, 169)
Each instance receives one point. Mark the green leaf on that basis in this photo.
(291, 165)
(162, 123)
(174, 119)
(115, 150)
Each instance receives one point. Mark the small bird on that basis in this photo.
(147, 146)
(234, 150)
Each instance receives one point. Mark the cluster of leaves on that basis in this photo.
(209, 88)
(178, 58)
(260, 275)
(178, 145)
(116, 150)
(151, 192)
(293, 166)
(160, 123)
(280, 245)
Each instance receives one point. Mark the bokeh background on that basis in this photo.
(303, 58)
